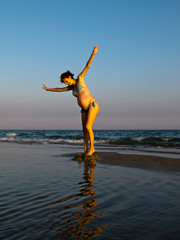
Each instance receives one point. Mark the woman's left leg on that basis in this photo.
(92, 113)
(85, 133)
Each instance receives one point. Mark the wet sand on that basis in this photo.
(147, 162)
(131, 160)
(45, 193)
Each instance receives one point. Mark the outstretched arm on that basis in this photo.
(57, 89)
(88, 64)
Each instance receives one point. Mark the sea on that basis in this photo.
(155, 141)
(45, 194)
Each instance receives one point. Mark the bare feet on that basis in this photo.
(91, 151)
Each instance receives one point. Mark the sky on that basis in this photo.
(135, 77)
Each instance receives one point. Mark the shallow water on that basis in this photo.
(46, 195)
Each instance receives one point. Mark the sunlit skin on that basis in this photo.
(84, 98)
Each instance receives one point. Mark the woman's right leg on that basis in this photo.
(91, 116)
(85, 132)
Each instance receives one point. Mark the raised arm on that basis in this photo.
(68, 88)
(88, 64)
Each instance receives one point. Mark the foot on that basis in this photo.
(91, 151)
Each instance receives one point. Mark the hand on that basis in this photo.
(44, 87)
(96, 49)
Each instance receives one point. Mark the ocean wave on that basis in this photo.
(147, 141)
(138, 139)
(13, 134)
(115, 138)
(49, 141)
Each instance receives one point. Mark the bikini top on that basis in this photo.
(78, 89)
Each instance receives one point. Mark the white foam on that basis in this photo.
(167, 139)
(139, 139)
(12, 134)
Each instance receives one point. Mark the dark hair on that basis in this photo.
(66, 75)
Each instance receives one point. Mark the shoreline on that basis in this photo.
(108, 157)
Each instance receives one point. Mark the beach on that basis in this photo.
(45, 194)
(143, 161)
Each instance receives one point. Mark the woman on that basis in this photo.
(85, 100)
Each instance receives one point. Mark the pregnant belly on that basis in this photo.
(84, 101)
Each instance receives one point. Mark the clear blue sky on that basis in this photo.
(135, 77)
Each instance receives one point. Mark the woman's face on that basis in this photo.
(69, 81)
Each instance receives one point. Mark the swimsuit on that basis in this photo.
(87, 108)
(78, 89)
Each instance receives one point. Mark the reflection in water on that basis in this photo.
(78, 220)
